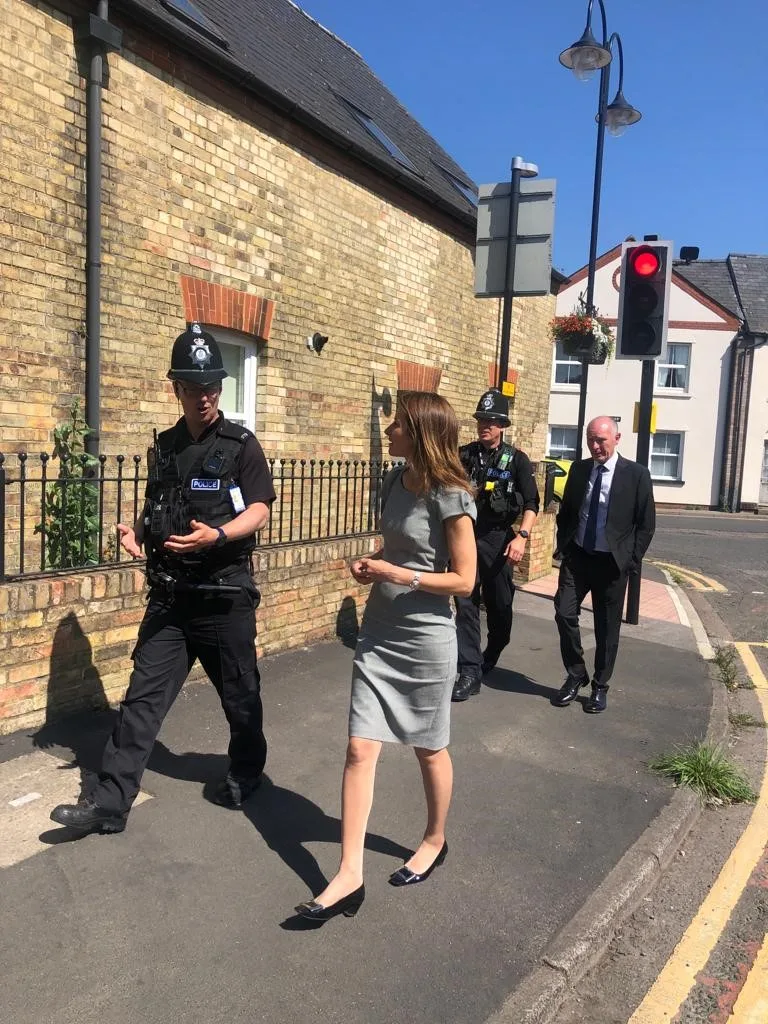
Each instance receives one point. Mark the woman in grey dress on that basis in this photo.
(405, 662)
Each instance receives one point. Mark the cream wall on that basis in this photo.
(699, 414)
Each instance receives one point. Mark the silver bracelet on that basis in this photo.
(414, 584)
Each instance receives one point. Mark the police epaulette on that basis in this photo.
(234, 431)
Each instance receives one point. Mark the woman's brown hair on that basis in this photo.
(432, 426)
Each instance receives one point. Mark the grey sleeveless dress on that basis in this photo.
(405, 661)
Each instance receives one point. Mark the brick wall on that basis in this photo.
(203, 182)
(66, 641)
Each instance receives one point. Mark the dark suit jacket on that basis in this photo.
(631, 510)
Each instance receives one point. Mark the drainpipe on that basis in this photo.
(724, 495)
(98, 37)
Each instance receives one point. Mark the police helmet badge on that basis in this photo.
(200, 354)
(487, 401)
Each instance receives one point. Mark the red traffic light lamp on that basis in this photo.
(645, 261)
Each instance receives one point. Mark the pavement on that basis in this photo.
(556, 830)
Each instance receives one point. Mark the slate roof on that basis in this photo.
(713, 279)
(278, 51)
(739, 283)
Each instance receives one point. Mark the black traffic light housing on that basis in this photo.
(646, 274)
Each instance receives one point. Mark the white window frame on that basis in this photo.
(562, 426)
(225, 336)
(680, 455)
(662, 389)
(562, 359)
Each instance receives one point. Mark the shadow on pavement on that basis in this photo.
(286, 820)
(515, 682)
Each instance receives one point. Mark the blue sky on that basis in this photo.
(485, 80)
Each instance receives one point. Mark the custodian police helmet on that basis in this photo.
(196, 357)
(493, 406)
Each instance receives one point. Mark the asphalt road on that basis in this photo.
(733, 549)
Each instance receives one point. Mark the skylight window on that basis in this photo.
(466, 190)
(381, 137)
(187, 12)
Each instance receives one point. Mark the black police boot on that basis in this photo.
(466, 686)
(234, 790)
(489, 660)
(598, 700)
(569, 691)
(86, 816)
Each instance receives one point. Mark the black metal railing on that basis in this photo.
(53, 523)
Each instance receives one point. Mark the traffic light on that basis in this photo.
(646, 272)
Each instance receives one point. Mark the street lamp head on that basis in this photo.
(526, 170)
(585, 56)
(619, 115)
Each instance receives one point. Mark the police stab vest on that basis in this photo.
(494, 475)
(193, 483)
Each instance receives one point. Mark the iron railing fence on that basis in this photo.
(53, 522)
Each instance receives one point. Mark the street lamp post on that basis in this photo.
(585, 57)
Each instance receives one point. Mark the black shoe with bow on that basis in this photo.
(86, 816)
(598, 700)
(569, 691)
(347, 905)
(404, 875)
(466, 686)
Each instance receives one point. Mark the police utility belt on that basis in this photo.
(206, 490)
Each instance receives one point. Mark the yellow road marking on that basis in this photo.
(671, 988)
(697, 580)
(751, 1007)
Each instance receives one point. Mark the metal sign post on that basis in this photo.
(513, 253)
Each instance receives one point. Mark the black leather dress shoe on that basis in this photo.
(569, 691)
(86, 816)
(404, 875)
(347, 905)
(465, 686)
(598, 701)
(234, 790)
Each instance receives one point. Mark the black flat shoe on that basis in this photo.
(404, 875)
(347, 905)
(466, 686)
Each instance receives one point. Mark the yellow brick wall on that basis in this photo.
(201, 180)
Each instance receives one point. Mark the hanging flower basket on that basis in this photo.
(582, 336)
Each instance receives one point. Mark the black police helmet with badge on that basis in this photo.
(196, 357)
(493, 406)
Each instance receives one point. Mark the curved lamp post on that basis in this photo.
(584, 57)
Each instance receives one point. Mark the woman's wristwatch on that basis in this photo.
(414, 584)
(524, 534)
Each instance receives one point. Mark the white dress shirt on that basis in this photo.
(606, 480)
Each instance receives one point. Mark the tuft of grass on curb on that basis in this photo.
(743, 720)
(725, 658)
(706, 770)
(677, 578)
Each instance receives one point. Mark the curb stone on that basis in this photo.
(582, 943)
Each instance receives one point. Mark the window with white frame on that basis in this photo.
(562, 443)
(667, 455)
(673, 373)
(567, 368)
(238, 393)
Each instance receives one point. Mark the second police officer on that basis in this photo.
(209, 491)
(504, 480)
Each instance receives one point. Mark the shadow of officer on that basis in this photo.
(74, 681)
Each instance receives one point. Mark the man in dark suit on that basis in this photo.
(606, 521)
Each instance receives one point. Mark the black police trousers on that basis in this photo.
(495, 586)
(220, 630)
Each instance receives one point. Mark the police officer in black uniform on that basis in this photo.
(209, 491)
(503, 477)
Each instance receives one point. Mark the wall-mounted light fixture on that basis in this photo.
(316, 342)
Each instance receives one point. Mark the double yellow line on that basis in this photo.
(695, 580)
(690, 956)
